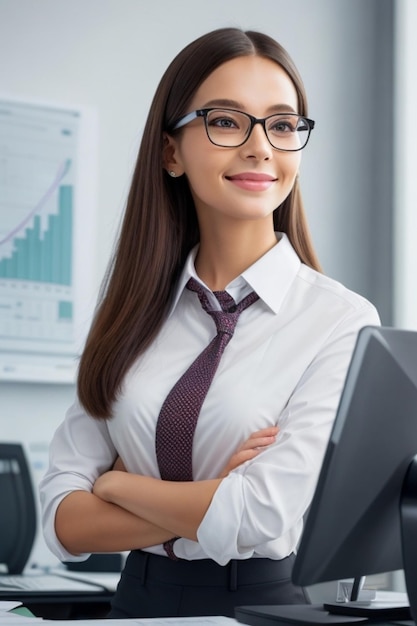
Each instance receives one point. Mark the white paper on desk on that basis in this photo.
(210, 620)
(108, 580)
(8, 605)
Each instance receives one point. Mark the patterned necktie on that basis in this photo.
(178, 417)
(179, 413)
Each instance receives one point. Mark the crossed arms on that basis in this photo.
(128, 511)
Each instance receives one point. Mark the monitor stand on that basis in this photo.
(345, 613)
(408, 519)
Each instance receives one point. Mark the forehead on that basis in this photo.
(253, 82)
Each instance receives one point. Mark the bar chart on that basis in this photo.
(44, 257)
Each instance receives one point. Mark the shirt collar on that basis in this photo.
(270, 276)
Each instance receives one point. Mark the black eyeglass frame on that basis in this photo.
(189, 117)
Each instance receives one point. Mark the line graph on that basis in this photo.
(62, 170)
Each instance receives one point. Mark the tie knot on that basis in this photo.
(225, 319)
(225, 300)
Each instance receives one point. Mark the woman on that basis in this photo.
(221, 459)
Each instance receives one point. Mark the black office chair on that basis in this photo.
(17, 508)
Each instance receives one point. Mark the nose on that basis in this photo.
(257, 145)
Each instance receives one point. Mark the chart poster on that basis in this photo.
(48, 158)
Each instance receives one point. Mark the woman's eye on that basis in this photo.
(224, 122)
(283, 126)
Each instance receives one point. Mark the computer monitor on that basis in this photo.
(363, 517)
(17, 509)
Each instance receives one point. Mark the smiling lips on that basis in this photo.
(252, 181)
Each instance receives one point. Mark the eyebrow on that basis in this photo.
(234, 104)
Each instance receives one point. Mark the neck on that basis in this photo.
(224, 253)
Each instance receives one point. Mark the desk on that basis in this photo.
(211, 620)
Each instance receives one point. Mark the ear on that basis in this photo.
(171, 158)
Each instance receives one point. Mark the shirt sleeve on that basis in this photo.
(265, 499)
(80, 451)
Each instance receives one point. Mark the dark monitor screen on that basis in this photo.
(354, 526)
(363, 516)
(17, 509)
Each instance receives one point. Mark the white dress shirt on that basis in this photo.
(285, 366)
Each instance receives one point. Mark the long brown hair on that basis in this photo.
(160, 224)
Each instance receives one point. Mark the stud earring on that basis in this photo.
(172, 173)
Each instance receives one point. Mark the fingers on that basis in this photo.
(260, 439)
(257, 442)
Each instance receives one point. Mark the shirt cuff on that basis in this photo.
(51, 539)
(223, 546)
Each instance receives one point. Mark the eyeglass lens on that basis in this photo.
(285, 131)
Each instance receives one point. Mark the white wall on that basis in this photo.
(110, 54)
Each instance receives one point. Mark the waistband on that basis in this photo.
(204, 572)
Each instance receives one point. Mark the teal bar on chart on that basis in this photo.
(44, 257)
(65, 310)
(65, 203)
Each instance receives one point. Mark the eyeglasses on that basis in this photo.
(229, 128)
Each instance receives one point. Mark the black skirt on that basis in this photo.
(156, 586)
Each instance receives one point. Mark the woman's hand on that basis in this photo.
(257, 442)
(108, 484)
(109, 480)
